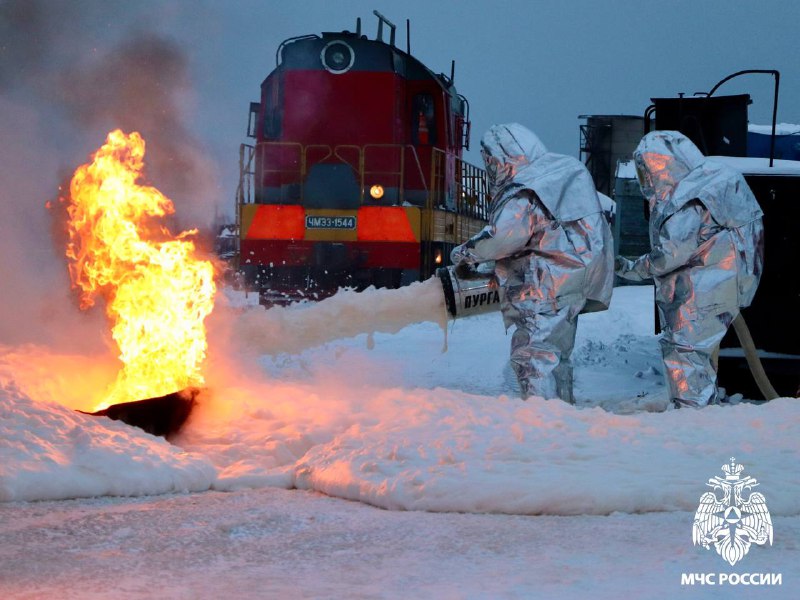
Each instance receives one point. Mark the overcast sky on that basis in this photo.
(183, 73)
(539, 62)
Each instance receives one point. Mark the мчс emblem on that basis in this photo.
(730, 522)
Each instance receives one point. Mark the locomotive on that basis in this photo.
(356, 176)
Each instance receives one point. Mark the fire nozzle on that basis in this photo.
(469, 293)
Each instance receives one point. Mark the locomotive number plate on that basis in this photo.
(317, 222)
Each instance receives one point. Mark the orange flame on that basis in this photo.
(157, 293)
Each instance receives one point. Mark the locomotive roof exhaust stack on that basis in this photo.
(381, 21)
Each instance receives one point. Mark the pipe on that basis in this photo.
(777, 76)
(753, 361)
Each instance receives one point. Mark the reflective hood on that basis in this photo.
(506, 149)
(672, 172)
(515, 156)
(663, 159)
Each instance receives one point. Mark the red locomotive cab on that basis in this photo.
(356, 154)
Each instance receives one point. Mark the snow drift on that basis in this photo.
(392, 420)
(50, 452)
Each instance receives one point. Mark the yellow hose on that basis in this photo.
(753, 361)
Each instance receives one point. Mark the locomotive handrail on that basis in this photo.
(305, 164)
(468, 194)
(438, 164)
(246, 173)
(357, 168)
(467, 124)
(419, 165)
(462, 194)
(244, 190)
(298, 172)
(471, 188)
(401, 174)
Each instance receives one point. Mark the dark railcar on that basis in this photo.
(773, 317)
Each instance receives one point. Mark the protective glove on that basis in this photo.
(465, 270)
(457, 255)
(622, 265)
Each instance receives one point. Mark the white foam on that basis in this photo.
(346, 314)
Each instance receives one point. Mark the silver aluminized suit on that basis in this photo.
(553, 253)
(706, 258)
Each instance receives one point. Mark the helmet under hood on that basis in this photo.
(663, 159)
(672, 172)
(515, 156)
(506, 149)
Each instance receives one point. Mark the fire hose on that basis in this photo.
(753, 361)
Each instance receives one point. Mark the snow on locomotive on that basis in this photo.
(356, 175)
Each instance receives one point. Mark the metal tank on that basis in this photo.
(717, 125)
(471, 295)
(605, 140)
(630, 226)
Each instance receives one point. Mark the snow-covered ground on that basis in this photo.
(318, 418)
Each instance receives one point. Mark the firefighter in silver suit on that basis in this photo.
(706, 258)
(552, 251)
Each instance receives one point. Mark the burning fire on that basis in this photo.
(157, 292)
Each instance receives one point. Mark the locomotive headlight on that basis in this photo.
(376, 191)
(337, 57)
